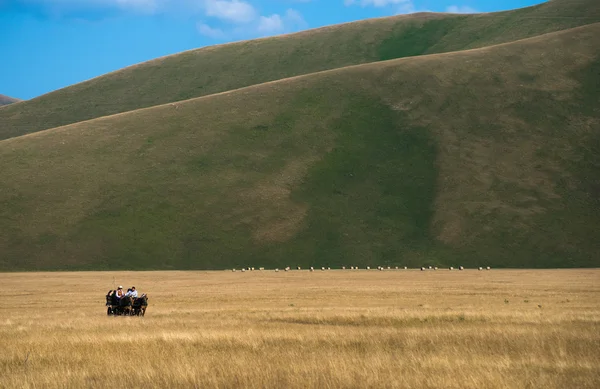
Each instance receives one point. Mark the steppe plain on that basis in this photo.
(297, 329)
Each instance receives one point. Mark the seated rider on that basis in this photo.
(120, 294)
(113, 298)
(131, 292)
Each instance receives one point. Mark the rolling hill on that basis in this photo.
(488, 156)
(221, 68)
(5, 100)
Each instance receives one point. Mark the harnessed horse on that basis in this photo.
(140, 304)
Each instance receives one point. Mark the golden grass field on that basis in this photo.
(333, 329)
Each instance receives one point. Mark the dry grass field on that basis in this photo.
(333, 329)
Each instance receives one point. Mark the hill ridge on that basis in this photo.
(302, 76)
(240, 64)
(6, 100)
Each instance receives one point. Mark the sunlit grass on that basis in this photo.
(405, 329)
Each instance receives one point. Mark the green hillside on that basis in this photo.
(481, 157)
(221, 68)
(5, 100)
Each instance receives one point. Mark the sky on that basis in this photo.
(50, 44)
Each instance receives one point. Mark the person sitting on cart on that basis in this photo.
(120, 294)
(131, 292)
(113, 297)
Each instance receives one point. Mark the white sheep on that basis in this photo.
(429, 267)
(435, 268)
(480, 268)
(461, 268)
(451, 268)
(233, 270)
(405, 267)
(312, 268)
(299, 268)
(276, 270)
(243, 270)
(343, 267)
(488, 268)
(368, 267)
(422, 268)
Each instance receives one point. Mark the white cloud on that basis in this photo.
(231, 10)
(262, 26)
(208, 31)
(399, 6)
(217, 19)
(376, 3)
(277, 24)
(406, 6)
(270, 24)
(460, 9)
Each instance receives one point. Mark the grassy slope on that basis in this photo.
(5, 100)
(221, 68)
(489, 156)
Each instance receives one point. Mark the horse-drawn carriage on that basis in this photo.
(126, 306)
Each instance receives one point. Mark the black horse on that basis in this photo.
(140, 304)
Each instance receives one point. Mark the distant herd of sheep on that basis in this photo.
(380, 268)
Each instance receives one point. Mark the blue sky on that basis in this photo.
(50, 44)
